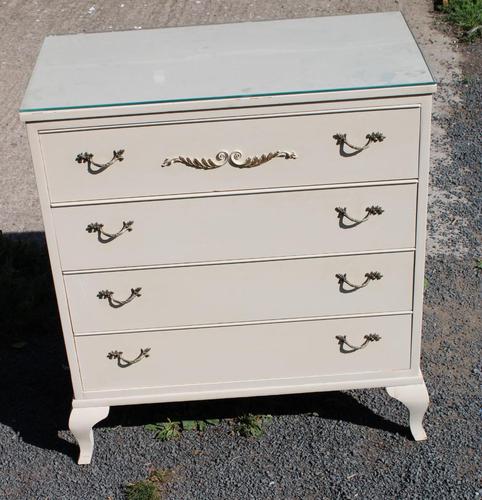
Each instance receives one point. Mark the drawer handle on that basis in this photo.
(125, 363)
(373, 137)
(88, 158)
(233, 159)
(372, 337)
(97, 227)
(371, 276)
(373, 210)
(107, 294)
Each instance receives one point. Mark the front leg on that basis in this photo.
(80, 423)
(415, 398)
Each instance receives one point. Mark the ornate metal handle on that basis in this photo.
(372, 337)
(373, 210)
(233, 159)
(88, 158)
(97, 227)
(373, 137)
(107, 294)
(125, 363)
(373, 275)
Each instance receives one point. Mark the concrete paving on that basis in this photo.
(23, 26)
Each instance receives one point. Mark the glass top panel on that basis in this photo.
(226, 60)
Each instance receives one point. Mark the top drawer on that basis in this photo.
(202, 156)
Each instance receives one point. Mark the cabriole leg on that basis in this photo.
(415, 398)
(80, 423)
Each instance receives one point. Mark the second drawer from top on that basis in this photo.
(237, 227)
(231, 154)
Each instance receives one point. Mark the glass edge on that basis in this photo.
(419, 49)
(239, 96)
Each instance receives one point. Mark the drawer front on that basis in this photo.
(319, 159)
(236, 227)
(226, 293)
(244, 353)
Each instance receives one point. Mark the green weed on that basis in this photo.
(251, 425)
(150, 488)
(466, 15)
(142, 490)
(166, 431)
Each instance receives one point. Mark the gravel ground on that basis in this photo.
(353, 444)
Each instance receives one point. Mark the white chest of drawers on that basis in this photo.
(260, 225)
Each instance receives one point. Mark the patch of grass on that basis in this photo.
(468, 79)
(478, 264)
(466, 15)
(142, 490)
(150, 488)
(161, 476)
(251, 425)
(166, 431)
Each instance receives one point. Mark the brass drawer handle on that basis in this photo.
(107, 294)
(233, 159)
(371, 276)
(97, 227)
(100, 167)
(125, 363)
(373, 137)
(373, 210)
(372, 337)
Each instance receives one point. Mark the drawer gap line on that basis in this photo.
(244, 192)
(244, 323)
(233, 261)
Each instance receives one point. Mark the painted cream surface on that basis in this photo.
(244, 353)
(279, 224)
(309, 136)
(226, 293)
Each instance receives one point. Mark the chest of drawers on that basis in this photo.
(235, 210)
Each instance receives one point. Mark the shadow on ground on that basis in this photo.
(36, 394)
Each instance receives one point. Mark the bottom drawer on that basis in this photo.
(243, 353)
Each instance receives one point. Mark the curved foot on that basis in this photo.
(415, 398)
(80, 423)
